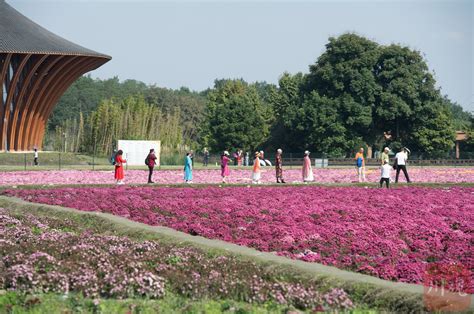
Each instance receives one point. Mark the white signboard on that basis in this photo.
(320, 163)
(135, 152)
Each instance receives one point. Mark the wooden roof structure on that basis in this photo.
(36, 68)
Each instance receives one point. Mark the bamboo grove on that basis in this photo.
(132, 118)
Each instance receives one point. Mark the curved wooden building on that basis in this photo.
(36, 68)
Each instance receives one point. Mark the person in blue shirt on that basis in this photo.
(188, 168)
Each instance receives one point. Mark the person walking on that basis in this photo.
(151, 162)
(384, 156)
(112, 157)
(261, 158)
(239, 157)
(247, 159)
(385, 174)
(307, 169)
(225, 171)
(119, 161)
(35, 159)
(401, 159)
(235, 155)
(256, 173)
(188, 168)
(360, 163)
(206, 157)
(279, 166)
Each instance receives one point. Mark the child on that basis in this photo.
(360, 163)
(385, 174)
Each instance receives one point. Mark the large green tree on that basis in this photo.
(356, 93)
(236, 117)
(409, 106)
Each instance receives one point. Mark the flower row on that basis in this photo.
(392, 234)
(237, 176)
(50, 255)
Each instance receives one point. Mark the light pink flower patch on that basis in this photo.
(346, 175)
(393, 234)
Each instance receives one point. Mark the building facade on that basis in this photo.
(36, 68)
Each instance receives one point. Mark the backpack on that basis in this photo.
(359, 162)
(147, 161)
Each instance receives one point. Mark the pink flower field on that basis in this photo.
(237, 176)
(392, 234)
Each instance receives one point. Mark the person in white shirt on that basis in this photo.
(385, 174)
(35, 160)
(401, 159)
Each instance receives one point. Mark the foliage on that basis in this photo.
(357, 94)
(21, 303)
(129, 119)
(410, 106)
(358, 91)
(86, 97)
(236, 117)
(463, 120)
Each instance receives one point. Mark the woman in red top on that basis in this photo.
(119, 161)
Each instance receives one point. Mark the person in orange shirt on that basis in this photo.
(256, 174)
(360, 163)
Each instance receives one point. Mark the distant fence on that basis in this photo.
(51, 160)
(296, 159)
(60, 161)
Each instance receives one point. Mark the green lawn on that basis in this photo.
(16, 303)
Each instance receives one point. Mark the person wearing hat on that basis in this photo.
(384, 156)
(307, 169)
(256, 173)
(225, 172)
(401, 161)
(278, 166)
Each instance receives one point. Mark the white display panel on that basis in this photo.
(135, 152)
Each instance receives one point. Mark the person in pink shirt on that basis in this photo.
(307, 169)
(225, 171)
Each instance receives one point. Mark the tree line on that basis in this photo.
(358, 93)
(93, 114)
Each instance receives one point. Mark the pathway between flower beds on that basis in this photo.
(237, 176)
(393, 234)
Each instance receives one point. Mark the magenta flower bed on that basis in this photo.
(347, 175)
(393, 234)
